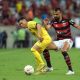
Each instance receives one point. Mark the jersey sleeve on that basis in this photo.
(71, 22)
(31, 24)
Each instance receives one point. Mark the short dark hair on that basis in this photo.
(21, 18)
(57, 9)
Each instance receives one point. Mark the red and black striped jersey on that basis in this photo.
(62, 28)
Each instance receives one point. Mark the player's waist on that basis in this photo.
(64, 38)
(47, 37)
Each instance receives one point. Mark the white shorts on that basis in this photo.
(60, 43)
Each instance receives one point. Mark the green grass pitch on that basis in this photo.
(12, 62)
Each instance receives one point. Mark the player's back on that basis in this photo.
(32, 26)
(62, 29)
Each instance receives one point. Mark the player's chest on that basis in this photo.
(61, 24)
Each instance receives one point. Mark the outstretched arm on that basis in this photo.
(45, 22)
(76, 26)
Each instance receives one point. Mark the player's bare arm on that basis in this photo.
(47, 26)
(76, 26)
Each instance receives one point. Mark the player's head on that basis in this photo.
(22, 22)
(57, 13)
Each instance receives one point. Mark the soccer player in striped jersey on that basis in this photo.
(64, 39)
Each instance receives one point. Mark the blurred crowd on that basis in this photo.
(11, 10)
(3, 39)
(20, 38)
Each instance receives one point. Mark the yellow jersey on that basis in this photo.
(33, 29)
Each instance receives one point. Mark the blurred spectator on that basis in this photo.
(5, 12)
(0, 39)
(38, 20)
(55, 3)
(44, 9)
(4, 39)
(24, 10)
(19, 6)
(33, 6)
(30, 13)
(27, 37)
(11, 10)
(15, 37)
(37, 16)
(68, 4)
(21, 37)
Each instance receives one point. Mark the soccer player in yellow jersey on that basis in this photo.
(44, 40)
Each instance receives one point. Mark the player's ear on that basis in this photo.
(20, 22)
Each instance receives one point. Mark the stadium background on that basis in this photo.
(13, 60)
(11, 10)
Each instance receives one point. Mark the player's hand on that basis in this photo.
(45, 21)
(41, 39)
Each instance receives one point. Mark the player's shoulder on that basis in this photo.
(71, 21)
(31, 22)
(66, 18)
